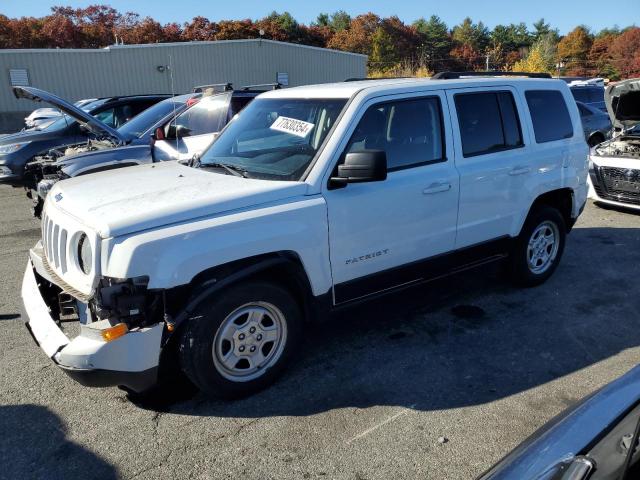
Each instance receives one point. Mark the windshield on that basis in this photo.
(65, 120)
(275, 138)
(142, 122)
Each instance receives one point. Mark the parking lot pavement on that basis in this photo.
(470, 359)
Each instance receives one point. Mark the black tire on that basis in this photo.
(519, 266)
(197, 338)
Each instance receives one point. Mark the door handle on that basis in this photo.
(522, 170)
(437, 187)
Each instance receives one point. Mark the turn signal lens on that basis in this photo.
(111, 333)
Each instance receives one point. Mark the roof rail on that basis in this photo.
(274, 86)
(225, 87)
(454, 75)
(363, 79)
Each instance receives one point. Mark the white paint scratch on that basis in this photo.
(381, 424)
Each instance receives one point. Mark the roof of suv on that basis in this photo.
(348, 89)
(124, 98)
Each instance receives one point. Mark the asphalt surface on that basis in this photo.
(471, 361)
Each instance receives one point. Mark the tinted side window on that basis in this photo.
(107, 117)
(580, 94)
(488, 122)
(549, 114)
(409, 131)
(596, 95)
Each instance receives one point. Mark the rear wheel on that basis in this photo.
(240, 340)
(539, 247)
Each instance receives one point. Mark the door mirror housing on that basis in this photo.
(360, 167)
(177, 131)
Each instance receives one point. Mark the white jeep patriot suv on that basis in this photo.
(312, 198)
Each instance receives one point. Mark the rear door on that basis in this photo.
(195, 127)
(492, 160)
(381, 233)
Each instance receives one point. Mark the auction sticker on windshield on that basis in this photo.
(293, 126)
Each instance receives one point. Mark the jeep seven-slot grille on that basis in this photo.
(618, 184)
(54, 244)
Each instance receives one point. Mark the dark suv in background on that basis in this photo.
(592, 95)
(19, 148)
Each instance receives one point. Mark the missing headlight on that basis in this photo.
(85, 255)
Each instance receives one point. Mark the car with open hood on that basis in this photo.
(310, 200)
(614, 165)
(98, 120)
(132, 147)
(174, 129)
(43, 117)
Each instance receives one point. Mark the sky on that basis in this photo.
(562, 14)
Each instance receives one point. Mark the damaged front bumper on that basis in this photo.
(130, 361)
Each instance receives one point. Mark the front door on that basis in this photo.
(380, 232)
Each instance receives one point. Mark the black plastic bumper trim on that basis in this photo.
(136, 381)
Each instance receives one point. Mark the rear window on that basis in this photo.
(549, 115)
(488, 122)
(581, 95)
(588, 94)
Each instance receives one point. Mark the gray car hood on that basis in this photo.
(90, 122)
(623, 103)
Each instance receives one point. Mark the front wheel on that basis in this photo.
(240, 340)
(538, 248)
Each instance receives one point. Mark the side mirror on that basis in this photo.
(360, 167)
(177, 131)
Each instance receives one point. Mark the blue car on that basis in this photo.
(18, 149)
(175, 129)
(595, 123)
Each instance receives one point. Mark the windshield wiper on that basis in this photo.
(229, 167)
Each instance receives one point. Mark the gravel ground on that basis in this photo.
(470, 359)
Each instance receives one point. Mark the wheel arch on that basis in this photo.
(560, 199)
(282, 267)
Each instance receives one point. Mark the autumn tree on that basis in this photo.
(6, 40)
(357, 38)
(625, 52)
(573, 50)
(236, 30)
(172, 32)
(600, 60)
(59, 31)
(535, 60)
(199, 29)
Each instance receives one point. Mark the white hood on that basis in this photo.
(623, 103)
(131, 199)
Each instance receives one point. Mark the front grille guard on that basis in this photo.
(66, 288)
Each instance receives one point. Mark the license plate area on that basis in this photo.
(625, 186)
